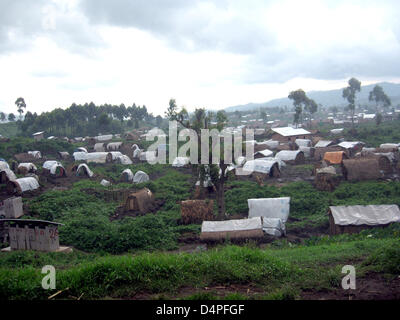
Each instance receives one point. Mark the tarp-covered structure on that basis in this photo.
(140, 177)
(22, 185)
(232, 229)
(7, 175)
(127, 175)
(180, 162)
(4, 165)
(268, 167)
(274, 211)
(99, 147)
(291, 156)
(350, 219)
(113, 156)
(55, 168)
(35, 154)
(114, 146)
(103, 138)
(303, 142)
(323, 143)
(83, 170)
(26, 167)
(335, 157)
(124, 159)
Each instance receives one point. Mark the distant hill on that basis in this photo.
(327, 98)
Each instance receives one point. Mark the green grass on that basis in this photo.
(9, 129)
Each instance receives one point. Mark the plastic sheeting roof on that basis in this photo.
(323, 143)
(389, 146)
(272, 144)
(4, 165)
(349, 144)
(28, 166)
(335, 157)
(36, 154)
(265, 153)
(270, 208)
(289, 131)
(124, 159)
(260, 165)
(81, 167)
(337, 131)
(365, 215)
(114, 145)
(180, 161)
(129, 173)
(52, 166)
(287, 155)
(10, 174)
(27, 184)
(140, 177)
(232, 225)
(104, 137)
(303, 142)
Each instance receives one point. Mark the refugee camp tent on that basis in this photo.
(361, 169)
(103, 138)
(24, 168)
(96, 157)
(127, 175)
(4, 165)
(81, 149)
(337, 131)
(335, 157)
(353, 219)
(135, 146)
(323, 143)
(269, 167)
(136, 153)
(114, 146)
(140, 177)
(263, 153)
(7, 175)
(24, 157)
(54, 168)
(83, 170)
(303, 142)
(196, 211)
(140, 201)
(22, 185)
(113, 156)
(351, 147)
(99, 147)
(105, 183)
(35, 154)
(308, 152)
(291, 156)
(63, 155)
(270, 144)
(232, 229)
(389, 146)
(180, 162)
(124, 159)
(274, 211)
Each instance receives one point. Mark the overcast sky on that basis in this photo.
(211, 54)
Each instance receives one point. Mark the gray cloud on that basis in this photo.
(22, 21)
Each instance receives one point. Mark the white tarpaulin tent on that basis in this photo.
(337, 131)
(180, 161)
(4, 165)
(349, 144)
(28, 166)
(105, 183)
(27, 184)
(81, 149)
(114, 146)
(35, 154)
(303, 142)
(271, 208)
(147, 156)
(99, 147)
(9, 174)
(260, 165)
(104, 137)
(287, 155)
(389, 146)
(264, 153)
(128, 174)
(140, 177)
(97, 157)
(306, 151)
(323, 143)
(136, 153)
(84, 167)
(233, 229)
(52, 166)
(365, 215)
(271, 144)
(114, 155)
(124, 159)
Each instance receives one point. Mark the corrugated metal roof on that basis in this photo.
(289, 131)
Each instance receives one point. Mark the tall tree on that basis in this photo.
(11, 117)
(349, 93)
(379, 96)
(2, 116)
(300, 102)
(21, 105)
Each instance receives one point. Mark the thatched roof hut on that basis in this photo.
(362, 169)
(196, 211)
(140, 202)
